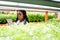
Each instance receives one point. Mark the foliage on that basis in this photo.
(3, 18)
(39, 17)
(30, 31)
(31, 17)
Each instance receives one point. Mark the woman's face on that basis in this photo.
(20, 15)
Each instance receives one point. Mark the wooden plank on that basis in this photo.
(56, 14)
(3, 24)
(8, 12)
(46, 16)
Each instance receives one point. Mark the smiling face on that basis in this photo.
(20, 15)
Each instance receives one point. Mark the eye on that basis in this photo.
(19, 14)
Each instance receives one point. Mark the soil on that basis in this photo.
(7, 24)
(3, 24)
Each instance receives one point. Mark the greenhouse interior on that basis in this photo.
(29, 19)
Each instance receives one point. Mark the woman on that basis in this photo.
(21, 17)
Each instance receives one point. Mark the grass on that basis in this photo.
(41, 31)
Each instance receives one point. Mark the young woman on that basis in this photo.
(22, 17)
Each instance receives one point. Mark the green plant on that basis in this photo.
(3, 18)
(31, 17)
(30, 31)
(39, 17)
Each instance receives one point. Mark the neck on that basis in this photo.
(21, 20)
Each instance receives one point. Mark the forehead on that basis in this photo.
(19, 12)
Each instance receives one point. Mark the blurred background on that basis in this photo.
(43, 15)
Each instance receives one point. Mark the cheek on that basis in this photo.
(20, 17)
